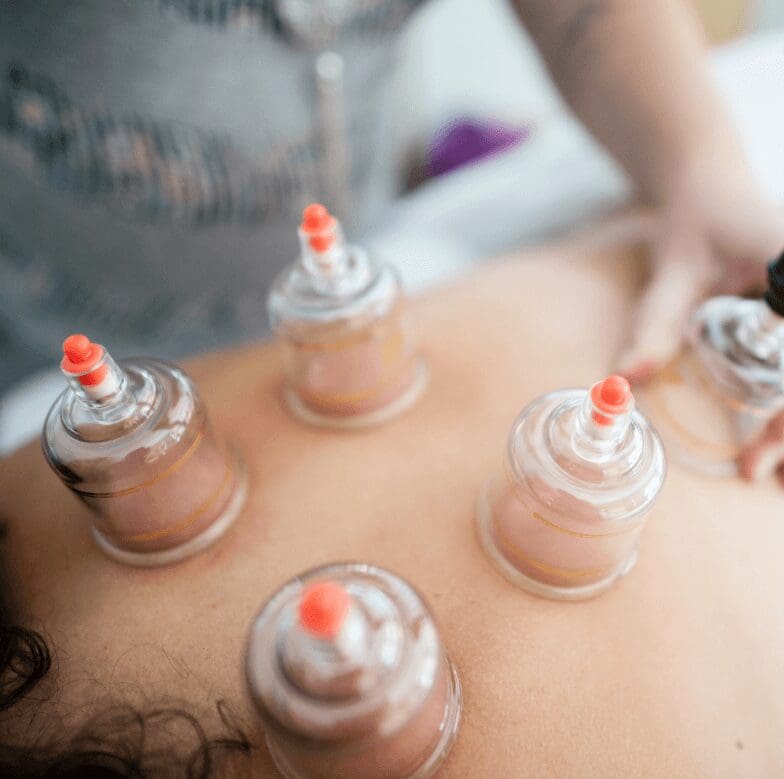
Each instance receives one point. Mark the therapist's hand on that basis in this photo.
(715, 235)
(637, 74)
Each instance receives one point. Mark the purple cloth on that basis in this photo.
(465, 140)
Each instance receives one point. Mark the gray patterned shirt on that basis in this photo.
(155, 156)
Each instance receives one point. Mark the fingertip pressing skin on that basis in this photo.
(682, 275)
(765, 455)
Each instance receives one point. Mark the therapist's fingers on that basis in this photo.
(764, 455)
(683, 272)
(746, 277)
(748, 243)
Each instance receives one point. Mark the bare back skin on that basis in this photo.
(678, 671)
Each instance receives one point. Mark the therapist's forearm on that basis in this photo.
(636, 73)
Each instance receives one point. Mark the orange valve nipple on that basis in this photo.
(610, 397)
(319, 225)
(80, 356)
(323, 608)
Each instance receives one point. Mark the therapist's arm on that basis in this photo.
(635, 72)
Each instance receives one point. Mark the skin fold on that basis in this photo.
(678, 671)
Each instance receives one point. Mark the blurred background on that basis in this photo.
(480, 155)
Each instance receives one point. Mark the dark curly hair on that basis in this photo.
(118, 741)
